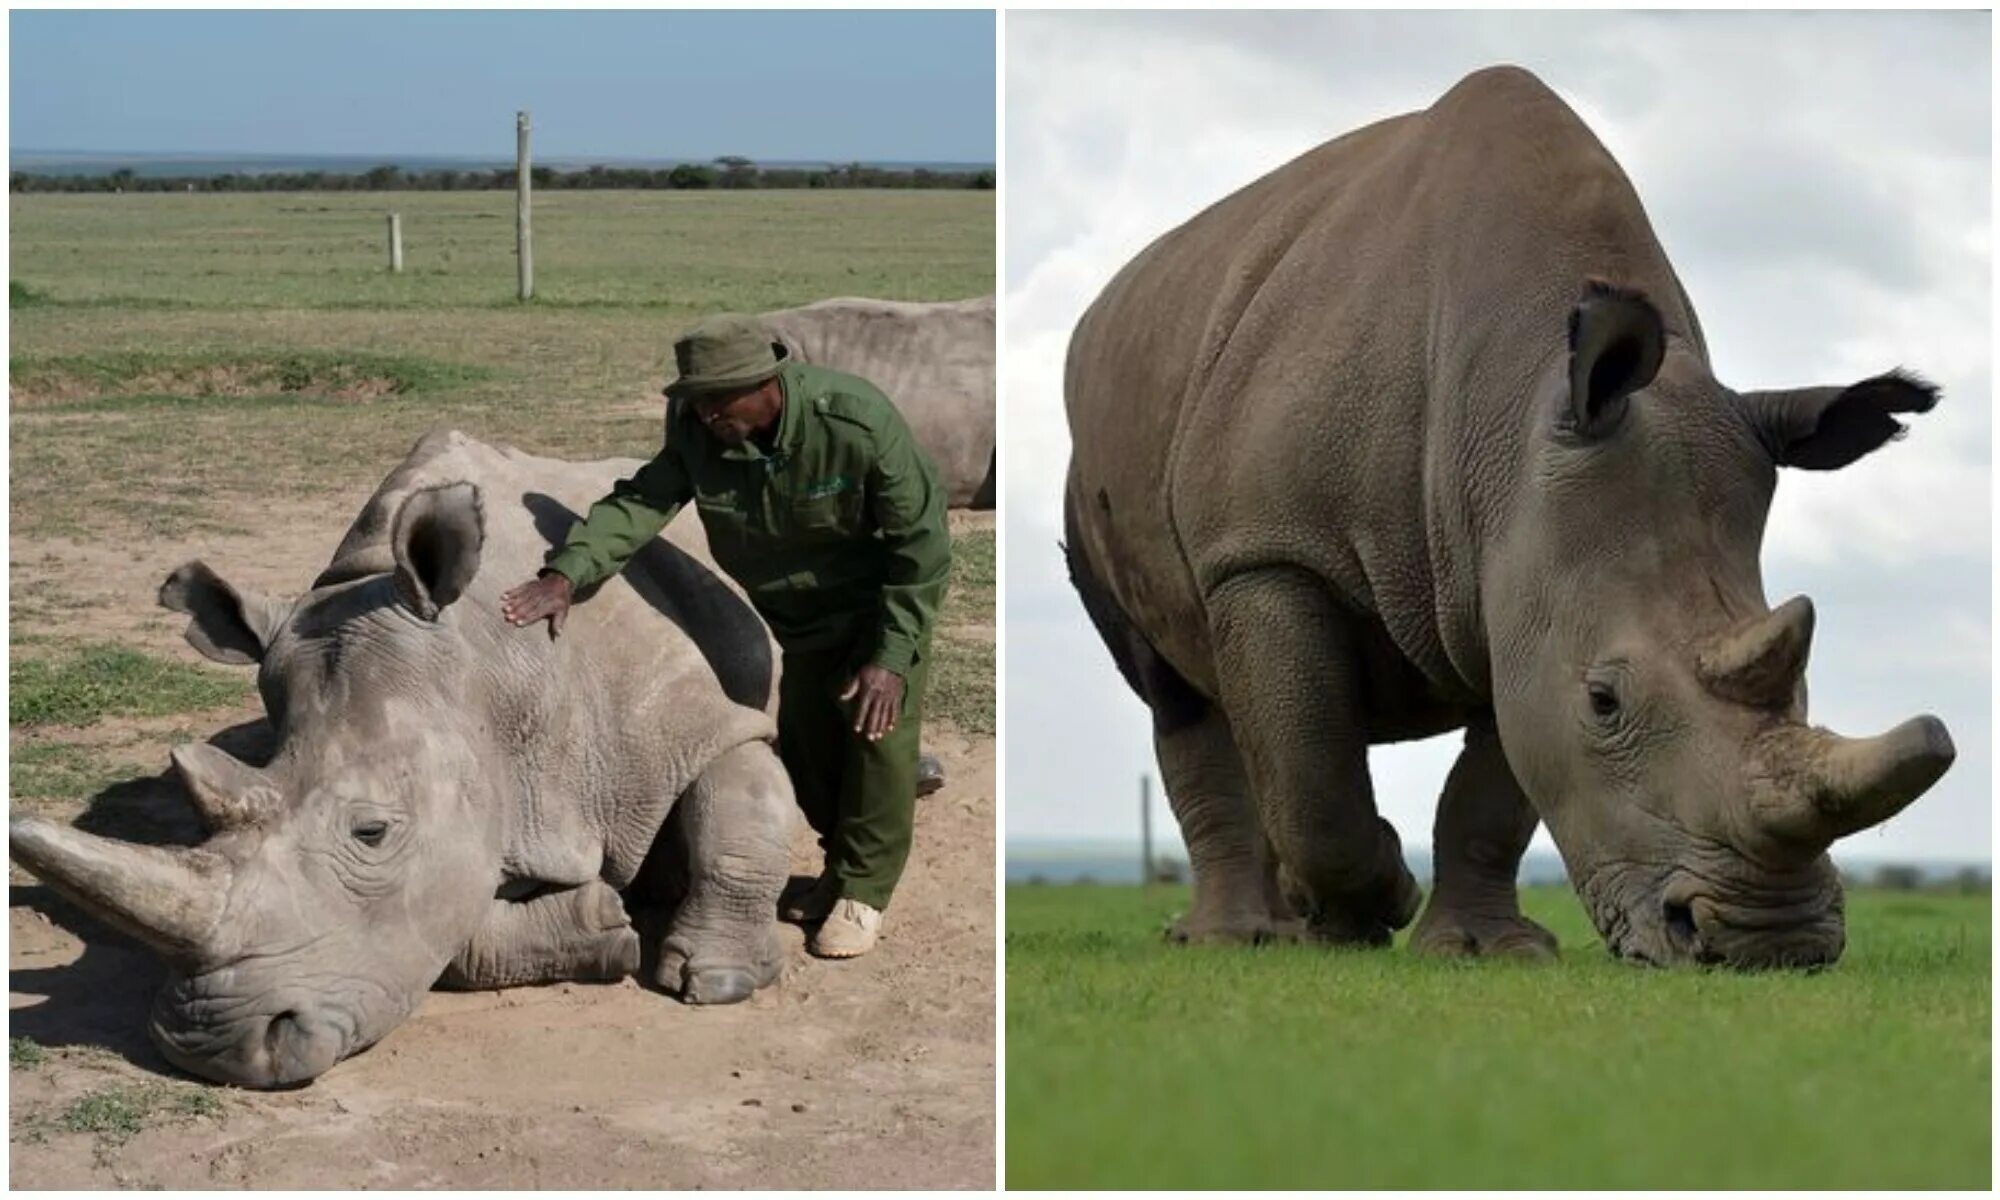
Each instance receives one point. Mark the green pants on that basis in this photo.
(859, 796)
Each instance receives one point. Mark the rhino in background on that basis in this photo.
(1419, 433)
(452, 800)
(935, 361)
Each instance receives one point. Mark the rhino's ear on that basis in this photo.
(230, 625)
(1821, 429)
(1616, 343)
(436, 540)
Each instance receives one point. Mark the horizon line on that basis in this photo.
(836, 159)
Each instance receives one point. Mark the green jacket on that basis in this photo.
(837, 535)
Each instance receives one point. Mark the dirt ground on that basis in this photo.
(878, 1073)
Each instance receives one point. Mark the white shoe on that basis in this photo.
(850, 930)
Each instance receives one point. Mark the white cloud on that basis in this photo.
(1820, 180)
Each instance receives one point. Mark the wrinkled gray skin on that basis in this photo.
(934, 361)
(452, 801)
(1363, 455)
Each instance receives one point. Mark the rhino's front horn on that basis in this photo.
(1846, 785)
(169, 899)
(1761, 661)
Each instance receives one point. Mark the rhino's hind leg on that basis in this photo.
(578, 933)
(1483, 826)
(735, 826)
(1292, 683)
(1236, 895)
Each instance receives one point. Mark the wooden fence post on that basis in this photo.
(524, 241)
(396, 243)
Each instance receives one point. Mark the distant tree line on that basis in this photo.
(728, 172)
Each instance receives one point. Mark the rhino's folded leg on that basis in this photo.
(1483, 826)
(1236, 895)
(1292, 684)
(579, 933)
(735, 823)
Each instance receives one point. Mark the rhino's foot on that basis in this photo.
(1368, 918)
(616, 955)
(718, 985)
(1458, 933)
(1241, 929)
(714, 979)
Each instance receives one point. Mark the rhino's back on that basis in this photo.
(1264, 383)
(935, 361)
(670, 599)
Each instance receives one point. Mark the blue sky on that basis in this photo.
(877, 86)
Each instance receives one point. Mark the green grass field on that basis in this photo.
(676, 254)
(209, 369)
(1132, 1063)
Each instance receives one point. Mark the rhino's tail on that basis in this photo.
(1174, 701)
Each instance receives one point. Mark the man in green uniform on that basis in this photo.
(818, 502)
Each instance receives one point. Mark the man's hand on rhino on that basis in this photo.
(878, 694)
(545, 596)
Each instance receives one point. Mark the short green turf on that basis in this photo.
(87, 682)
(1133, 1063)
(25, 1054)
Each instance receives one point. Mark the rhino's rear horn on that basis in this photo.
(1761, 661)
(227, 792)
(169, 899)
(1838, 786)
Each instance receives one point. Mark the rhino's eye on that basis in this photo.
(1603, 700)
(371, 833)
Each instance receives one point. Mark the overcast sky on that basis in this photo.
(840, 86)
(1822, 185)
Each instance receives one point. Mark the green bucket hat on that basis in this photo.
(725, 352)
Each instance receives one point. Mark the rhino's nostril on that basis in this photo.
(282, 1026)
(1679, 919)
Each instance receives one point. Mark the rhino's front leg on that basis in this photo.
(579, 933)
(1483, 826)
(1236, 895)
(1291, 683)
(735, 823)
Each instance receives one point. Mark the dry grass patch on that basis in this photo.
(113, 380)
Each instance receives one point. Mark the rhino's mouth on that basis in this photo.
(270, 1041)
(1677, 917)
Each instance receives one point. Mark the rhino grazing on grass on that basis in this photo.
(453, 801)
(933, 360)
(1419, 433)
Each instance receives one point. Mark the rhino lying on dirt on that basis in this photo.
(452, 800)
(1417, 433)
(935, 361)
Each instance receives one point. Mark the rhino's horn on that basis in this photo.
(1845, 785)
(227, 792)
(169, 899)
(1761, 661)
